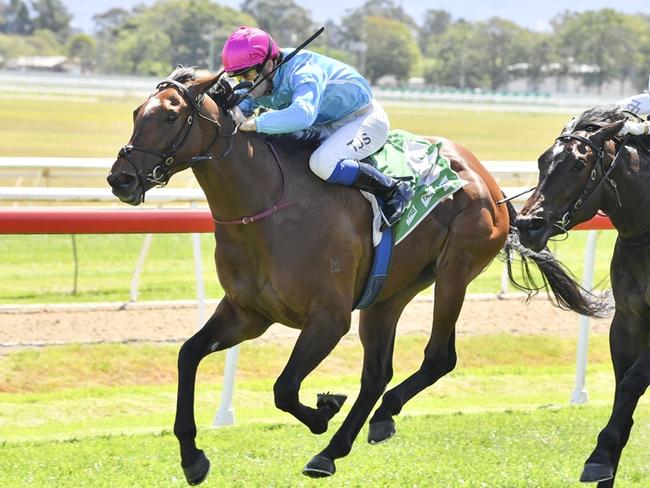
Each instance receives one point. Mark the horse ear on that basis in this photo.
(607, 132)
(204, 83)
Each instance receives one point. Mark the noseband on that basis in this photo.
(592, 185)
(161, 173)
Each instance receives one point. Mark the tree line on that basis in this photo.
(379, 38)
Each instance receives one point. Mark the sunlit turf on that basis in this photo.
(81, 390)
(102, 415)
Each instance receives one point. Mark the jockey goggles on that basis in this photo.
(250, 74)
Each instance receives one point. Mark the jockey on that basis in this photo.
(639, 105)
(315, 92)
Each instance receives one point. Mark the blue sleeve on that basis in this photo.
(308, 85)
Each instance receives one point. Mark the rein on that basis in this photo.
(279, 205)
(590, 189)
(161, 173)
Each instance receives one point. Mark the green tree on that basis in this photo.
(500, 45)
(435, 23)
(539, 51)
(285, 20)
(391, 49)
(17, 19)
(603, 40)
(107, 28)
(81, 48)
(152, 40)
(457, 57)
(353, 25)
(52, 15)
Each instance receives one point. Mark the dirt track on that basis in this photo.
(176, 322)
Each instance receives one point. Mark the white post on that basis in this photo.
(226, 413)
(580, 394)
(138, 267)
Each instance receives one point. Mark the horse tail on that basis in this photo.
(567, 292)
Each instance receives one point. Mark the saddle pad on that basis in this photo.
(408, 155)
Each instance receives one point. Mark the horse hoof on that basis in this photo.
(197, 472)
(330, 401)
(319, 467)
(596, 472)
(381, 431)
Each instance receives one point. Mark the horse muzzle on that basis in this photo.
(534, 232)
(126, 187)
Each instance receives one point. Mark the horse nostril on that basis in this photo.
(120, 181)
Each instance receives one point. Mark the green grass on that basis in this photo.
(79, 127)
(101, 415)
(98, 127)
(41, 268)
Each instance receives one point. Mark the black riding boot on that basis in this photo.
(395, 194)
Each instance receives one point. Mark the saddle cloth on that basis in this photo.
(406, 155)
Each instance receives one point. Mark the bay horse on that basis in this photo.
(590, 168)
(295, 250)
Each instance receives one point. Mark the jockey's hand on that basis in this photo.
(635, 128)
(248, 125)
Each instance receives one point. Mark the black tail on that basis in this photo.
(567, 292)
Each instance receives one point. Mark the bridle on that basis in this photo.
(161, 173)
(592, 185)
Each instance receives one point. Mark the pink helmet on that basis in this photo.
(246, 48)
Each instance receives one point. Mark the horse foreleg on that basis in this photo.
(603, 462)
(631, 383)
(227, 327)
(320, 335)
(377, 334)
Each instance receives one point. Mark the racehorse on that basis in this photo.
(590, 168)
(295, 250)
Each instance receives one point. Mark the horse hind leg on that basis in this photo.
(317, 339)
(440, 352)
(227, 327)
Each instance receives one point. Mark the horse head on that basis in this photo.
(164, 140)
(572, 173)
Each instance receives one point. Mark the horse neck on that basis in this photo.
(628, 206)
(247, 181)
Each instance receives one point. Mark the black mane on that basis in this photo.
(183, 75)
(599, 116)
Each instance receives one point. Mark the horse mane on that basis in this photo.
(183, 74)
(598, 116)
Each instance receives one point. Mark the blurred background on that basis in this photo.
(580, 47)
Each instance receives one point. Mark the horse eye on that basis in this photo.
(171, 118)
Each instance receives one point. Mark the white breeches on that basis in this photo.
(353, 137)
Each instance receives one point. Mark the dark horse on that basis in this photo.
(299, 252)
(589, 168)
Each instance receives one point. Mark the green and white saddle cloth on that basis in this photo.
(408, 155)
